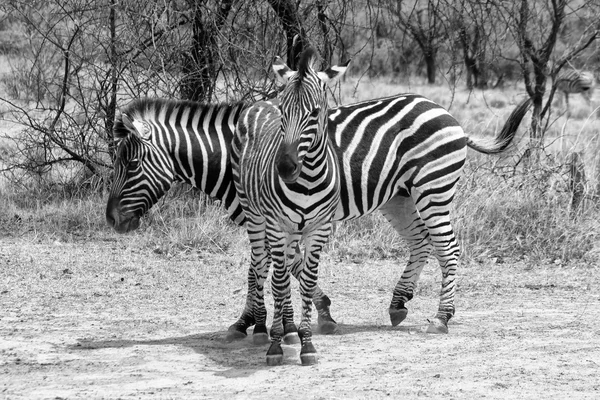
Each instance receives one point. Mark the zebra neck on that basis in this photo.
(197, 138)
(319, 167)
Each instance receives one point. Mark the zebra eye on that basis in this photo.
(134, 163)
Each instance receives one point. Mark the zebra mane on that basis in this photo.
(307, 58)
(150, 108)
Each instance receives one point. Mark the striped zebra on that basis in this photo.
(287, 178)
(573, 81)
(382, 145)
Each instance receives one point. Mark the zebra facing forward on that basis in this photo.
(286, 175)
(573, 81)
(380, 145)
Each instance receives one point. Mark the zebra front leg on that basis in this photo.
(315, 241)
(254, 310)
(237, 331)
(280, 284)
(326, 323)
(294, 264)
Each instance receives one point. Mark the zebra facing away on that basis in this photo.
(384, 147)
(286, 175)
(573, 81)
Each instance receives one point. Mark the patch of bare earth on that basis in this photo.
(104, 319)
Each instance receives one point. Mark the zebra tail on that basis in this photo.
(506, 135)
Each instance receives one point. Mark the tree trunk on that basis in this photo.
(111, 107)
(287, 13)
(198, 65)
(481, 81)
(471, 72)
(536, 135)
(577, 181)
(322, 18)
(430, 63)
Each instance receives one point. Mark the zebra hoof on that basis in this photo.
(327, 327)
(437, 327)
(260, 339)
(260, 336)
(274, 354)
(291, 338)
(397, 315)
(308, 359)
(234, 333)
(274, 360)
(308, 354)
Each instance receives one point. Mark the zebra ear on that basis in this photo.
(334, 72)
(120, 130)
(137, 127)
(282, 71)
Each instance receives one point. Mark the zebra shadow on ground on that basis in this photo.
(240, 358)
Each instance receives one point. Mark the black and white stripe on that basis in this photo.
(372, 140)
(161, 141)
(286, 175)
(573, 81)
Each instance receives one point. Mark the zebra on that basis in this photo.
(162, 141)
(286, 175)
(573, 81)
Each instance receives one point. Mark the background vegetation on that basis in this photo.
(68, 65)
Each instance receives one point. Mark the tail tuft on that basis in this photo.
(506, 135)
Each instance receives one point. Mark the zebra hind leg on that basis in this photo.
(400, 211)
(254, 312)
(435, 212)
(325, 321)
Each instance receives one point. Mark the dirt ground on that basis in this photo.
(103, 318)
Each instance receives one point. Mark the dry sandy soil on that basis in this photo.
(103, 318)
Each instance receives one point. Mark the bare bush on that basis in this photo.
(73, 63)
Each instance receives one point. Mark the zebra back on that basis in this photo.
(573, 81)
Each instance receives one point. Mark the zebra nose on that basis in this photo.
(112, 212)
(288, 168)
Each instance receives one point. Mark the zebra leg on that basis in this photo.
(314, 242)
(280, 283)
(237, 331)
(326, 323)
(290, 331)
(400, 211)
(434, 208)
(254, 311)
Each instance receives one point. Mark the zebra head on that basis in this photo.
(303, 111)
(142, 174)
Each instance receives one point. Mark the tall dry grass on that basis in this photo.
(501, 209)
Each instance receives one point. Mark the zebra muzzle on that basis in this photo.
(288, 168)
(119, 222)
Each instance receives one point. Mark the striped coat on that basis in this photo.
(287, 178)
(160, 141)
